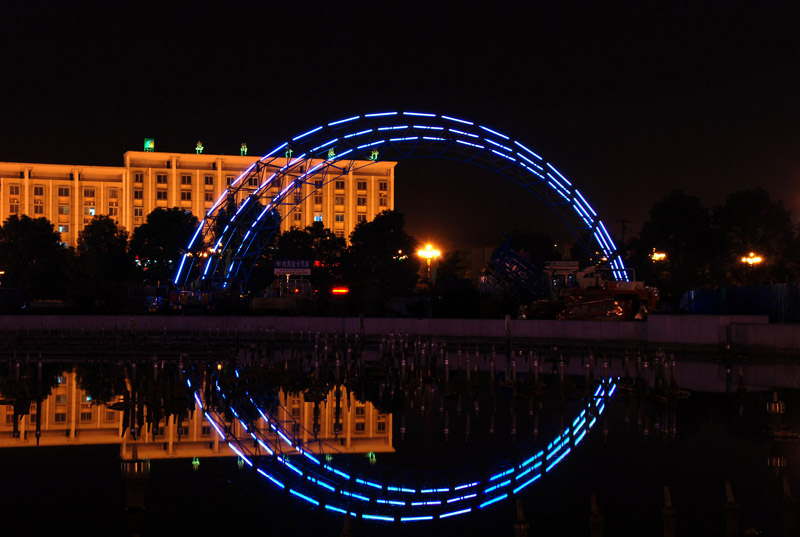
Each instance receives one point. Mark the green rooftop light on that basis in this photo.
(243, 150)
(149, 144)
(199, 148)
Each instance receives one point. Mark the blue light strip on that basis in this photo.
(458, 120)
(381, 114)
(415, 518)
(422, 114)
(343, 121)
(378, 517)
(303, 496)
(312, 131)
(487, 129)
(493, 500)
(455, 513)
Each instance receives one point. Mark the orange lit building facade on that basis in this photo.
(70, 417)
(69, 196)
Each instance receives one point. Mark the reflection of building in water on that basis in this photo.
(70, 417)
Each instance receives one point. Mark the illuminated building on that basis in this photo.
(70, 418)
(69, 196)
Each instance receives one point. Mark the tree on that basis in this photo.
(750, 221)
(103, 266)
(381, 261)
(679, 226)
(32, 257)
(317, 244)
(158, 244)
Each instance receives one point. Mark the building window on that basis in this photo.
(138, 194)
(38, 190)
(361, 201)
(138, 178)
(383, 186)
(338, 185)
(318, 183)
(13, 208)
(161, 178)
(63, 228)
(229, 179)
(38, 207)
(338, 217)
(13, 190)
(252, 181)
(113, 193)
(137, 211)
(186, 179)
(186, 195)
(162, 195)
(318, 198)
(360, 426)
(61, 417)
(381, 426)
(382, 201)
(63, 209)
(338, 200)
(361, 185)
(113, 210)
(88, 211)
(361, 218)
(61, 399)
(209, 180)
(88, 192)
(317, 217)
(63, 191)
(298, 216)
(209, 196)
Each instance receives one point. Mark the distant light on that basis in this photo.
(658, 256)
(752, 259)
(199, 147)
(340, 290)
(429, 252)
(150, 144)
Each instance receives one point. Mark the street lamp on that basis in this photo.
(752, 259)
(658, 256)
(429, 253)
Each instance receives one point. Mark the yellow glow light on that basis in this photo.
(429, 252)
(752, 259)
(658, 256)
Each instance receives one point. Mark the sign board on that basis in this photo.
(292, 267)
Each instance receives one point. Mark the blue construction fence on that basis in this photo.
(781, 302)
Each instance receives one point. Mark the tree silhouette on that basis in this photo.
(32, 257)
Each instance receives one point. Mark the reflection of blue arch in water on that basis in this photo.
(323, 485)
(228, 241)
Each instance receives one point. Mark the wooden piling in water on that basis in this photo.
(731, 512)
(669, 514)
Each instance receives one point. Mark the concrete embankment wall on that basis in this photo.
(735, 330)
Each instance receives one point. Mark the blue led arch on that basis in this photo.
(297, 471)
(228, 241)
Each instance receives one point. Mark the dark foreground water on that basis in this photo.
(691, 445)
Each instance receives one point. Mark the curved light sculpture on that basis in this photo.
(228, 241)
(279, 457)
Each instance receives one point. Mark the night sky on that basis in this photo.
(629, 102)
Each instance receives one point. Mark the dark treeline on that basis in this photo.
(703, 248)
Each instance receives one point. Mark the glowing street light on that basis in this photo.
(429, 253)
(658, 256)
(752, 259)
